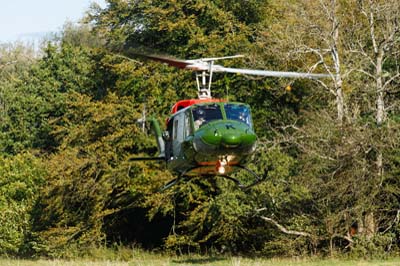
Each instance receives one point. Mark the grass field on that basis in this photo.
(156, 260)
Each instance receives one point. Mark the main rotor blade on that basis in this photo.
(219, 58)
(268, 73)
(202, 65)
(170, 61)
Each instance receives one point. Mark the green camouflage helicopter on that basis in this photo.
(208, 136)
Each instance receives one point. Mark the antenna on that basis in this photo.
(144, 118)
(142, 121)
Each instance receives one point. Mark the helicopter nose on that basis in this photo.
(231, 140)
(229, 135)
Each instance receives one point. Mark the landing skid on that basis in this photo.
(182, 176)
(176, 180)
(171, 183)
(257, 180)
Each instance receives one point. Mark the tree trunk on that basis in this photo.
(369, 225)
(380, 104)
(339, 100)
(336, 60)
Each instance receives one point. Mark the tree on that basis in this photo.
(334, 155)
(21, 177)
(180, 28)
(91, 178)
(375, 45)
(15, 64)
(309, 34)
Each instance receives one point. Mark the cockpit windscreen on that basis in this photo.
(203, 114)
(238, 112)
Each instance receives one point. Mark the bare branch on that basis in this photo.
(284, 229)
(364, 54)
(396, 220)
(345, 237)
(365, 73)
(390, 81)
(8, 63)
(333, 92)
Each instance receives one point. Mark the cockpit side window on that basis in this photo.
(203, 114)
(238, 112)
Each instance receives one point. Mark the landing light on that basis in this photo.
(221, 166)
(221, 169)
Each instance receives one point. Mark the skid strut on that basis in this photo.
(182, 176)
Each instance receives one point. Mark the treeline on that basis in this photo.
(329, 148)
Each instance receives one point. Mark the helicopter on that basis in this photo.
(210, 136)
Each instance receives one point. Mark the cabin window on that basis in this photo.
(175, 128)
(238, 112)
(203, 114)
(188, 126)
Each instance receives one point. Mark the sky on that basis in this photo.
(29, 19)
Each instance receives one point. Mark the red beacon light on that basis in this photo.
(185, 103)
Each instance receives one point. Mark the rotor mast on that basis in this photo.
(204, 89)
(205, 76)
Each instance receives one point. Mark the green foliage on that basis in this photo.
(91, 177)
(372, 248)
(21, 178)
(34, 96)
(182, 28)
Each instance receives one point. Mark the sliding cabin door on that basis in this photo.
(178, 134)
